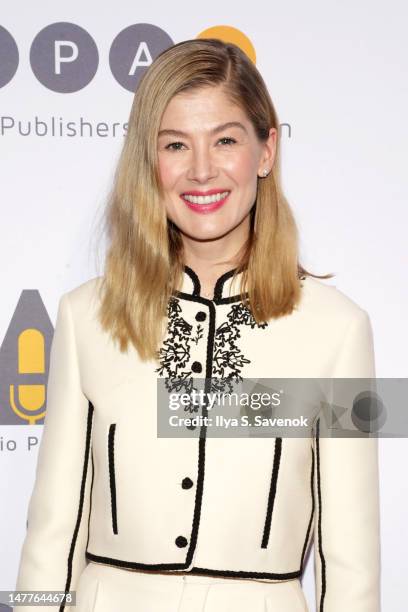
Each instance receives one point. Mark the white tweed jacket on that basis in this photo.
(109, 490)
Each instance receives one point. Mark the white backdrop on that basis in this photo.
(336, 72)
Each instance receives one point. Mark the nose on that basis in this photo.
(202, 167)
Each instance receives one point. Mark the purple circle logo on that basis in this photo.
(64, 57)
(133, 50)
(9, 57)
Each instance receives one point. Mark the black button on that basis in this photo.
(201, 316)
(187, 483)
(196, 367)
(181, 541)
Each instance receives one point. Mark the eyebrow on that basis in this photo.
(215, 130)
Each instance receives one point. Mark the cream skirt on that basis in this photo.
(103, 588)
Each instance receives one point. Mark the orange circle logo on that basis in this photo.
(232, 35)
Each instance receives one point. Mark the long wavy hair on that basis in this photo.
(144, 260)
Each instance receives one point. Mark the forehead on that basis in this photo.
(201, 107)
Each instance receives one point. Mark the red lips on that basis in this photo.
(204, 193)
(204, 209)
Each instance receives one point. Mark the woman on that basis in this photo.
(202, 279)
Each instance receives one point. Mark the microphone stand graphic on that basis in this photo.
(31, 360)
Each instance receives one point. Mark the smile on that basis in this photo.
(204, 204)
(207, 199)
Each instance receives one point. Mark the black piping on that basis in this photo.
(206, 301)
(81, 501)
(272, 492)
(195, 279)
(311, 516)
(219, 285)
(218, 288)
(243, 574)
(90, 498)
(194, 570)
(232, 298)
(112, 480)
(202, 438)
(319, 533)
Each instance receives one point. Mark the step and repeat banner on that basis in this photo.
(336, 73)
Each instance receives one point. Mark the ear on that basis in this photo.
(268, 153)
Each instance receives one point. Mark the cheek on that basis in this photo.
(165, 173)
(169, 171)
(243, 168)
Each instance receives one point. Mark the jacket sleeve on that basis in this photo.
(53, 552)
(346, 493)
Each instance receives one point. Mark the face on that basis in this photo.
(209, 162)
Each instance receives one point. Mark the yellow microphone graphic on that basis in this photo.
(27, 400)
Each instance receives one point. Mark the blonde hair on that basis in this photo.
(144, 261)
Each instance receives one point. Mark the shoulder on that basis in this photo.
(83, 299)
(328, 304)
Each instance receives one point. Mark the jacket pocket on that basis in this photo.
(272, 492)
(112, 477)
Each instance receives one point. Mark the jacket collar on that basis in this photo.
(225, 290)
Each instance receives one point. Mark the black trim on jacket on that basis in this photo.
(319, 532)
(309, 527)
(81, 500)
(272, 492)
(194, 570)
(196, 296)
(202, 440)
(112, 478)
(90, 497)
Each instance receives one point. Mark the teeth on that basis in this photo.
(205, 199)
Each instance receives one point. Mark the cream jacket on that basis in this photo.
(108, 490)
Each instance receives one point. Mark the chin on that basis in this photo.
(205, 233)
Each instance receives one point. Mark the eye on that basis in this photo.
(231, 140)
(176, 146)
(172, 144)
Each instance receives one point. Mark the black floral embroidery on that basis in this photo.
(199, 333)
(228, 359)
(174, 353)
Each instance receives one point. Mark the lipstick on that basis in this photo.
(202, 202)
